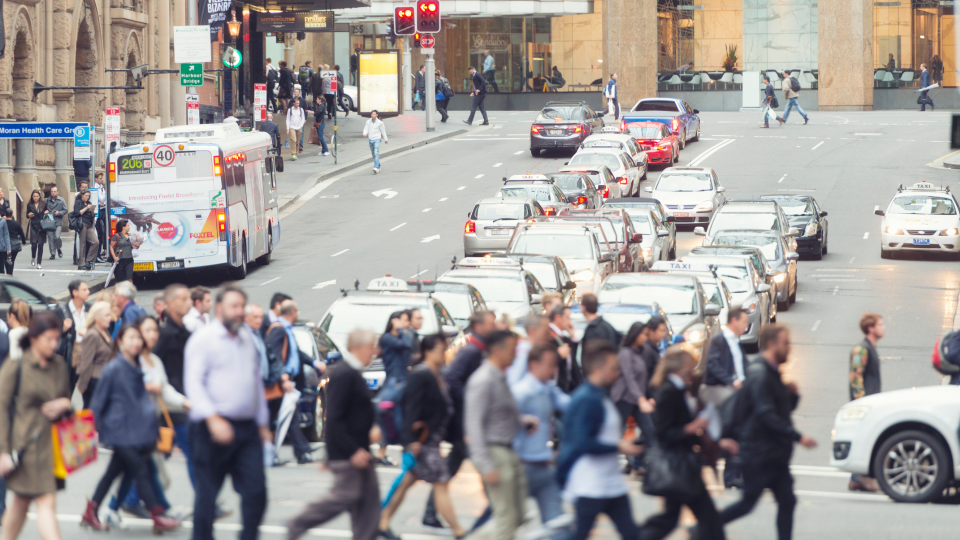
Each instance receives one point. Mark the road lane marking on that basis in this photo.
(836, 270)
(461, 188)
(387, 193)
(418, 274)
(443, 199)
(323, 284)
(866, 235)
(818, 145)
(340, 252)
(851, 260)
(269, 281)
(697, 160)
(398, 226)
(781, 179)
(427, 209)
(815, 326)
(477, 177)
(430, 239)
(518, 153)
(867, 134)
(824, 494)
(836, 290)
(876, 207)
(497, 164)
(838, 279)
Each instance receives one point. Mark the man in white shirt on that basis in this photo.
(199, 314)
(375, 132)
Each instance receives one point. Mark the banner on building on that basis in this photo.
(299, 21)
(190, 45)
(214, 14)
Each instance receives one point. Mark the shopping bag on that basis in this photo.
(74, 443)
(165, 436)
(771, 114)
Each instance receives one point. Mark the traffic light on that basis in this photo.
(403, 21)
(428, 16)
(391, 34)
(415, 44)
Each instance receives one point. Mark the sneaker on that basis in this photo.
(485, 123)
(111, 518)
(764, 126)
(33, 262)
(294, 158)
(385, 460)
(325, 154)
(305, 459)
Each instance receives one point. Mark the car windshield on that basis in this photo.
(714, 295)
(674, 299)
(494, 288)
(730, 220)
(567, 182)
(609, 160)
(736, 278)
(559, 245)
(796, 207)
(683, 183)
(457, 304)
(498, 211)
(641, 221)
(657, 105)
(545, 273)
(599, 179)
(552, 114)
(347, 317)
(923, 204)
(541, 193)
(611, 231)
(768, 245)
(645, 132)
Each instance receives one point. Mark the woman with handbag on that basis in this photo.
(427, 409)
(17, 238)
(441, 85)
(121, 249)
(4, 204)
(97, 349)
(126, 422)
(37, 388)
(674, 465)
(167, 399)
(36, 211)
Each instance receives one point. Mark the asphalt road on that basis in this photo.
(851, 162)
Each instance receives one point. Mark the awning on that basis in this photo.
(382, 10)
(306, 5)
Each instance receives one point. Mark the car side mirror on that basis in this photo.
(568, 286)
(566, 162)
(648, 189)
(711, 310)
(671, 219)
(636, 238)
(763, 288)
(792, 256)
(877, 212)
(536, 298)
(469, 214)
(721, 189)
(823, 214)
(793, 232)
(663, 232)
(699, 231)
(450, 331)
(696, 111)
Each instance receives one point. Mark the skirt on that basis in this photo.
(431, 467)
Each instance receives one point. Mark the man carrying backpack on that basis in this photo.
(303, 79)
(791, 93)
(865, 378)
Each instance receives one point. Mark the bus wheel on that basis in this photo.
(240, 272)
(265, 258)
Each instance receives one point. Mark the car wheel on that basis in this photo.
(264, 259)
(886, 253)
(535, 152)
(697, 136)
(818, 255)
(912, 466)
(349, 101)
(676, 156)
(785, 305)
(793, 297)
(240, 272)
(683, 140)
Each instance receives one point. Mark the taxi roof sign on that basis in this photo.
(610, 129)
(923, 185)
(678, 266)
(487, 261)
(526, 177)
(388, 283)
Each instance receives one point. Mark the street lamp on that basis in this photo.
(233, 26)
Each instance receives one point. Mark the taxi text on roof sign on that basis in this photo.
(388, 283)
(528, 177)
(487, 261)
(673, 266)
(924, 185)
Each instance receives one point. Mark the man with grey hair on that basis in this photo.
(350, 417)
(124, 300)
(272, 129)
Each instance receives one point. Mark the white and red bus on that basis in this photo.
(201, 196)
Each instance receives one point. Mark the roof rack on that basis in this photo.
(566, 102)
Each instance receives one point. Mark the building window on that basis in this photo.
(908, 34)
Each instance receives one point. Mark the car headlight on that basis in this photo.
(583, 275)
(892, 230)
(853, 414)
(647, 252)
(705, 206)
(780, 277)
(750, 308)
(810, 230)
(949, 232)
(694, 336)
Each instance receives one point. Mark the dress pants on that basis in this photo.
(478, 104)
(88, 236)
(243, 461)
(758, 477)
(442, 109)
(708, 520)
(354, 491)
(617, 509)
(508, 498)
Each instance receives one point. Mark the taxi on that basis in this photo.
(506, 286)
(921, 218)
(623, 141)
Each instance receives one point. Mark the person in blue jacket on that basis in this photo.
(395, 351)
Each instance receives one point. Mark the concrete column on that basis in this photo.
(63, 168)
(630, 48)
(24, 175)
(845, 42)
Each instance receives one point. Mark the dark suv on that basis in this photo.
(563, 124)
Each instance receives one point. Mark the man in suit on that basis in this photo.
(597, 328)
(479, 94)
(925, 82)
(350, 417)
(282, 347)
(271, 128)
(726, 371)
(420, 87)
(569, 375)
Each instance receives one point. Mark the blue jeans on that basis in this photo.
(182, 440)
(323, 142)
(791, 103)
(375, 150)
(543, 486)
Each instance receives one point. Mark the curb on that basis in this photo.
(356, 164)
(951, 165)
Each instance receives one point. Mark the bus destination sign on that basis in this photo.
(136, 164)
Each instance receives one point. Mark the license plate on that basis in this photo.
(499, 232)
(681, 214)
(556, 131)
(373, 384)
(171, 264)
(921, 241)
(143, 267)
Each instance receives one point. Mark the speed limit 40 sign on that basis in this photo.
(164, 155)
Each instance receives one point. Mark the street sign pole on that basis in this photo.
(430, 100)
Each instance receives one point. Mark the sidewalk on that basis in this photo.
(404, 132)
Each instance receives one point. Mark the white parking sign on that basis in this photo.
(81, 142)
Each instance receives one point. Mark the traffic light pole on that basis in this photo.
(430, 100)
(407, 98)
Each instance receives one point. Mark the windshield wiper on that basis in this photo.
(503, 218)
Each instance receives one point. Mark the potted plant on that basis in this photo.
(730, 59)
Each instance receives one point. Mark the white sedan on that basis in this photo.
(906, 439)
(627, 172)
(922, 218)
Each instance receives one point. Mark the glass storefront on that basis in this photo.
(910, 33)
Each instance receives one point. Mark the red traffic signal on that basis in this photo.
(404, 22)
(415, 44)
(428, 16)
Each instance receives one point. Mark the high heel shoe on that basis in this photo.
(162, 522)
(90, 518)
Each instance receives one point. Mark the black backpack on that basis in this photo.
(445, 88)
(74, 221)
(304, 77)
(794, 84)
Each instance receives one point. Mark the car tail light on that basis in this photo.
(577, 128)
(470, 227)
(221, 221)
(581, 200)
(548, 211)
(535, 129)
(624, 181)
(606, 191)
(662, 147)
(676, 124)
(623, 126)
(216, 166)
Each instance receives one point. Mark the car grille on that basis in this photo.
(917, 246)
(922, 233)
(681, 206)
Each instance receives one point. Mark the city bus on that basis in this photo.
(201, 197)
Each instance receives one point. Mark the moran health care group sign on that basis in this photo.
(39, 130)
